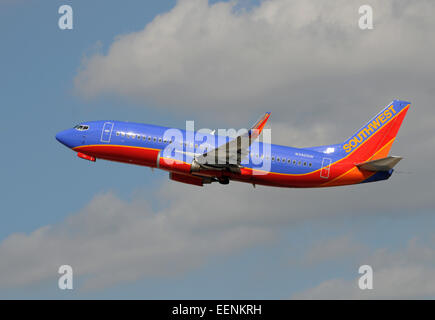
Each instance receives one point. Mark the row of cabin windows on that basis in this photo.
(141, 137)
(289, 161)
(149, 138)
(284, 160)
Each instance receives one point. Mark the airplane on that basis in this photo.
(362, 158)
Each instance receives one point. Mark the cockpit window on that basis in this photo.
(81, 127)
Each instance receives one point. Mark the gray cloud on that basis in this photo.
(112, 240)
(404, 273)
(343, 247)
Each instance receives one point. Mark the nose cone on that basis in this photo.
(65, 137)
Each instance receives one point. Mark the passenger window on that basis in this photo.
(117, 133)
(133, 136)
(299, 163)
(294, 162)
(277, 159)
(305, 164)
(310, 164)
(283, 159)
(154, 139)
(149, 138)
(289, 161)
(122, 134)
(138, 136)
(144, 137)
(273, 158)
(160, 140)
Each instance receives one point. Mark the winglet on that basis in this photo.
(256, 129)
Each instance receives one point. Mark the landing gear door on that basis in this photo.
(106, 133)
(326, 168)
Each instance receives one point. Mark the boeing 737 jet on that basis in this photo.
(198, 158)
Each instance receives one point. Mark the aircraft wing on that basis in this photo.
(234, 151)
(384, 164)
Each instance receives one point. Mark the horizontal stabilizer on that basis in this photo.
(384, 164)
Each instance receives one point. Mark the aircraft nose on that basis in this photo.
(64, 137)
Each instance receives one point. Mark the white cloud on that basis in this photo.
(282, 55)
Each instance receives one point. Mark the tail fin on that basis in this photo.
(374, 140)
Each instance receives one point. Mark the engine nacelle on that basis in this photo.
(178, 165)
(186, 179)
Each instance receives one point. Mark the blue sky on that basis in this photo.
(44, 184)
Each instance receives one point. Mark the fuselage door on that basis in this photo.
(326, 168)
(106, 133)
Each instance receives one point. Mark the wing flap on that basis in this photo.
(384, 164)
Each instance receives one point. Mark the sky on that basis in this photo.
(130, 233)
